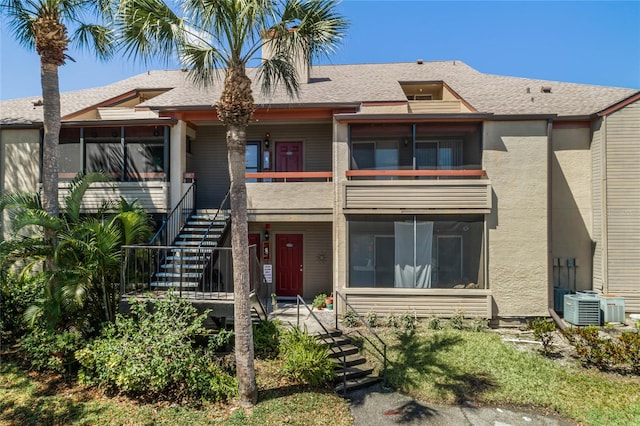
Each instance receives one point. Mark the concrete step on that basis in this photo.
(336, 341)
(338, 351)
(176, 266)
(195, 243)
(353, 372)
(184, 259)
(198, 237)
(331, 332)
(350, 360)
(355, 384)
(183, 275)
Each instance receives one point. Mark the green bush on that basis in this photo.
(351, 319)
(306, 360)
(409, 321)
(543, 331)
(392, 321)
(630, 343)
(457, 321)
(266, 339)
(151, 352)
(592, 348)
(434, 323)
(320, 301)
(45, 349)
(221, 340)
(371, 319)
(17, 293)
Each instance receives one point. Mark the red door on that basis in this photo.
(288, 264)
(289, 158)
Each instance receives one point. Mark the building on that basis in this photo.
(427, 187)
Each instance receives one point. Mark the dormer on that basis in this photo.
(122, 107)
(433, 97)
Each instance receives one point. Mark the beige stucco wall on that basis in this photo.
(515, 158)
(340, 166)
(290, 197)
(571, 211)
(20, 163)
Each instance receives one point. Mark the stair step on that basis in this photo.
(179, 275)
(195, 243)
(359, 383)
(331, 332)
(198, 237)
(180, 265)
(335, 341)
(350, 360)
(338, 351)
(183, 259)
(174, 284)
(353, 372)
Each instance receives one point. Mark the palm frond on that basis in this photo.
(279, 70)
(35, 217)
(21, 200)
(77, 189)
(149, 29)
(97, 38)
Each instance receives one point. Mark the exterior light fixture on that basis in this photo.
(266, 232)
(267, 139)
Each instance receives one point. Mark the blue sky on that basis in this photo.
(582, 42)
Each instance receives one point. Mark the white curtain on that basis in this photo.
(413, 241)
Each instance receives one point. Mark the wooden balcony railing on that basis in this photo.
(290, 176)
(479, 174)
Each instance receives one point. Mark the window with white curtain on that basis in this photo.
(416, 251)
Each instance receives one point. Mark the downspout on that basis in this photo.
(550, 295)
(603, 208)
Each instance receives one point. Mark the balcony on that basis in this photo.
(296, 196)
(430, 191)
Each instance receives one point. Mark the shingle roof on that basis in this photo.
(352, 84)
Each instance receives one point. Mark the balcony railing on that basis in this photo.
(290, 176)
(437, 174)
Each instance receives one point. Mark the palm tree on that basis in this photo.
(44, 25)
(81, 288)
(225, 35)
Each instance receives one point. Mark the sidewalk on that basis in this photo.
(380, 407)
(377, 407)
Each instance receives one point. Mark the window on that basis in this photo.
(252, 159)
(416, 251)
(438, 155)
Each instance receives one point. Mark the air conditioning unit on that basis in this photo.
(612, 308)
(581, 310)
(558, 298)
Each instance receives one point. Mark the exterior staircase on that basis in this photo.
(186, 268)
(358, 373)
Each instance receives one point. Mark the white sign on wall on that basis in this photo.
(267, 271)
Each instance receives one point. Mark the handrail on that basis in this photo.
(382, 352)
(170, 219)
(206, 233)
(336, 345)
(416, 173)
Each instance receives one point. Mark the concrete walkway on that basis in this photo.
(380, 407)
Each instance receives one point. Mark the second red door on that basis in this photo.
(288, 264)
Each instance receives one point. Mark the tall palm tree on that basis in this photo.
(216, 35)
(44, 25)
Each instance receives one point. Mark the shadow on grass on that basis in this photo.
(26, 402)
(288, 390)
(419, 359)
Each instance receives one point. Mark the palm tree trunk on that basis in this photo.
(236, 148)
(51, 109)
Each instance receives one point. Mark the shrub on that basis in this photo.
(630, 350)
(457, 321)
(409, 321)
(305, 359)
(371, 319)
(434, 323)
(45, 349)
(151, 352)
(220, 340)
(392, 321)
(17, 293)
(543, 331)
(591, 347)
(478, 325)
(266, 339)
(351, 319)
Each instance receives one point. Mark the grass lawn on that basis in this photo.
(27, 399)
(450, 366)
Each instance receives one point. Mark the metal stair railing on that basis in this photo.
(382, 352)
(215, 217)
(173, 223)
(300, 301)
